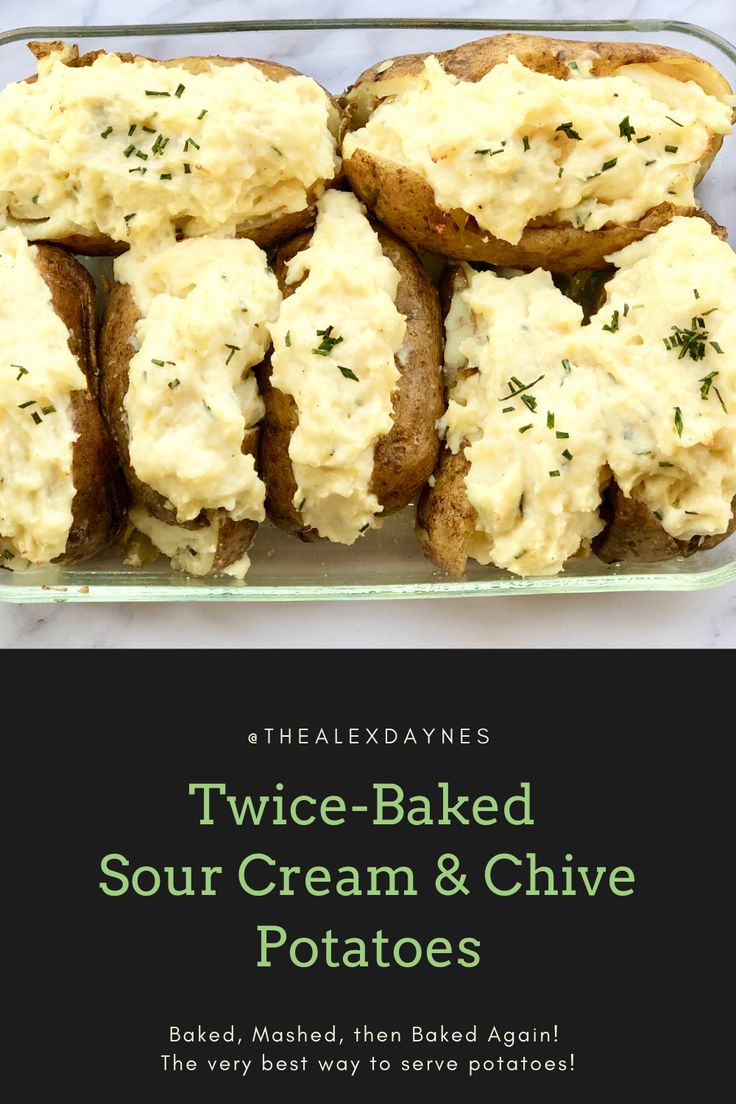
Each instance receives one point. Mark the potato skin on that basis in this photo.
(99, 502)
(119, 323)
(275, 231)
(404, 457)
(404, 201)
(633, 534)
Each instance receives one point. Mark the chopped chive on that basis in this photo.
(560, 172)
(173, 384)
(7, 554)
(160, 363)
(612, 326)
(207, 408)
(609, 164)
(131, 129)
(592, 176)
(567, 129)
(48, 409)
(696, 293)
(665, 464)
(674, 121)
(348, 374)
(127, 218)
(693, 512)
(187, 168)
(652, 162)
(550, 420)
(717, 347)
(566, 366)
(36, 417)
(516, 387)
(139, 168)
(678, 421)
(149, 130)
(567, 454)
(490, 152)
(179, 91)
(127, 152)
(23, 405)
(554, 474)
(507, 410)
(645, 139)
(625, 129)
(165, 176)
(21, 371)
(107, 132)
(277, 150)
(523, 429)
(530, 402)
(720, 399)
(671, 149)
(143, 156)
(527, 147)
(287, 339)
(190, 142)
(202, 113)
(233, 350)
(707, 382)
(300, 507)
(658, 514)
(150, 93)
(626, 309)
(561, 435)
(328, 343)
(573, 65)
(364, 527)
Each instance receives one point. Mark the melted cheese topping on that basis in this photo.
(206, 306)
(335, 345)
(37, 376)
(671, 419)
(546, 409)
(189, 550)
(529, 414)
(134, 149)
(518, 145)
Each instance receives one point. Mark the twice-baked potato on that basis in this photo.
(61, 495)
(525, 151)
(353, 386)
(545, 414)
(182, 332)
(105, 149)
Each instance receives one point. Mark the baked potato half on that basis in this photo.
(62, 498)
(349, 434)
(185, 421)
(137, 154)
(444, 152)
(618, 436)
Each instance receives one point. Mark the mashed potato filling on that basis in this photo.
(519, 145)
(335, 345)
(668, 376)
(189, 550)
(206, 306)
(545, 410)
(526, 408)
(136, 149)
(38, 374)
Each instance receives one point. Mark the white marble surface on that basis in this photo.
(705, 620)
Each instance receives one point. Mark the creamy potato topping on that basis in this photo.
(189, 550)
(335, 345)
(38, 374)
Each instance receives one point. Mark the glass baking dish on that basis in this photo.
(387, 563)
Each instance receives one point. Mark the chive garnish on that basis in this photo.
(143, 156)
(507, 409)
(131, 129)
(567, 129)
(348, 374)
(674, 121)
(678, 421)
(149, 130)
(277, 150)
(559, 175)
(207, 408)
(202, 113)
(716, 346)
(671, 149)
(7, 554)
(190, 142)
(523, 429)
(554, 474)
(48, 409)
(658, 514)
(566, 366)
(187, 168)
(173, 384)
(626, 309)
(106, 132)
(561, 435)
(165, 176)
(612, 326)
(328, 343)
(300, 507)
(24, 405)
(233, 350)
(645, 139)
(150, 93)
(36, 417)
(567, 454)
(527, 147)
(550, 420)
(530, 402)
(179, 91)
(652, 162)
(696, 293)
(609, 164)
(665, 464)
(127, 152)
(489, 151)
(160, 363)
(625, 129)
(364, 527)
(21, 371)
(516, 387)
(707, 382)
(139, 168)
(127, 218)
(287, 339)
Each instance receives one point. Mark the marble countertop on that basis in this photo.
(700, 620)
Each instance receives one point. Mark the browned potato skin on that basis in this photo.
(99, 502)
(403, 458)
(446, 519)
(116, 352)
(404, 201)
(277, 230)
(633, 534)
